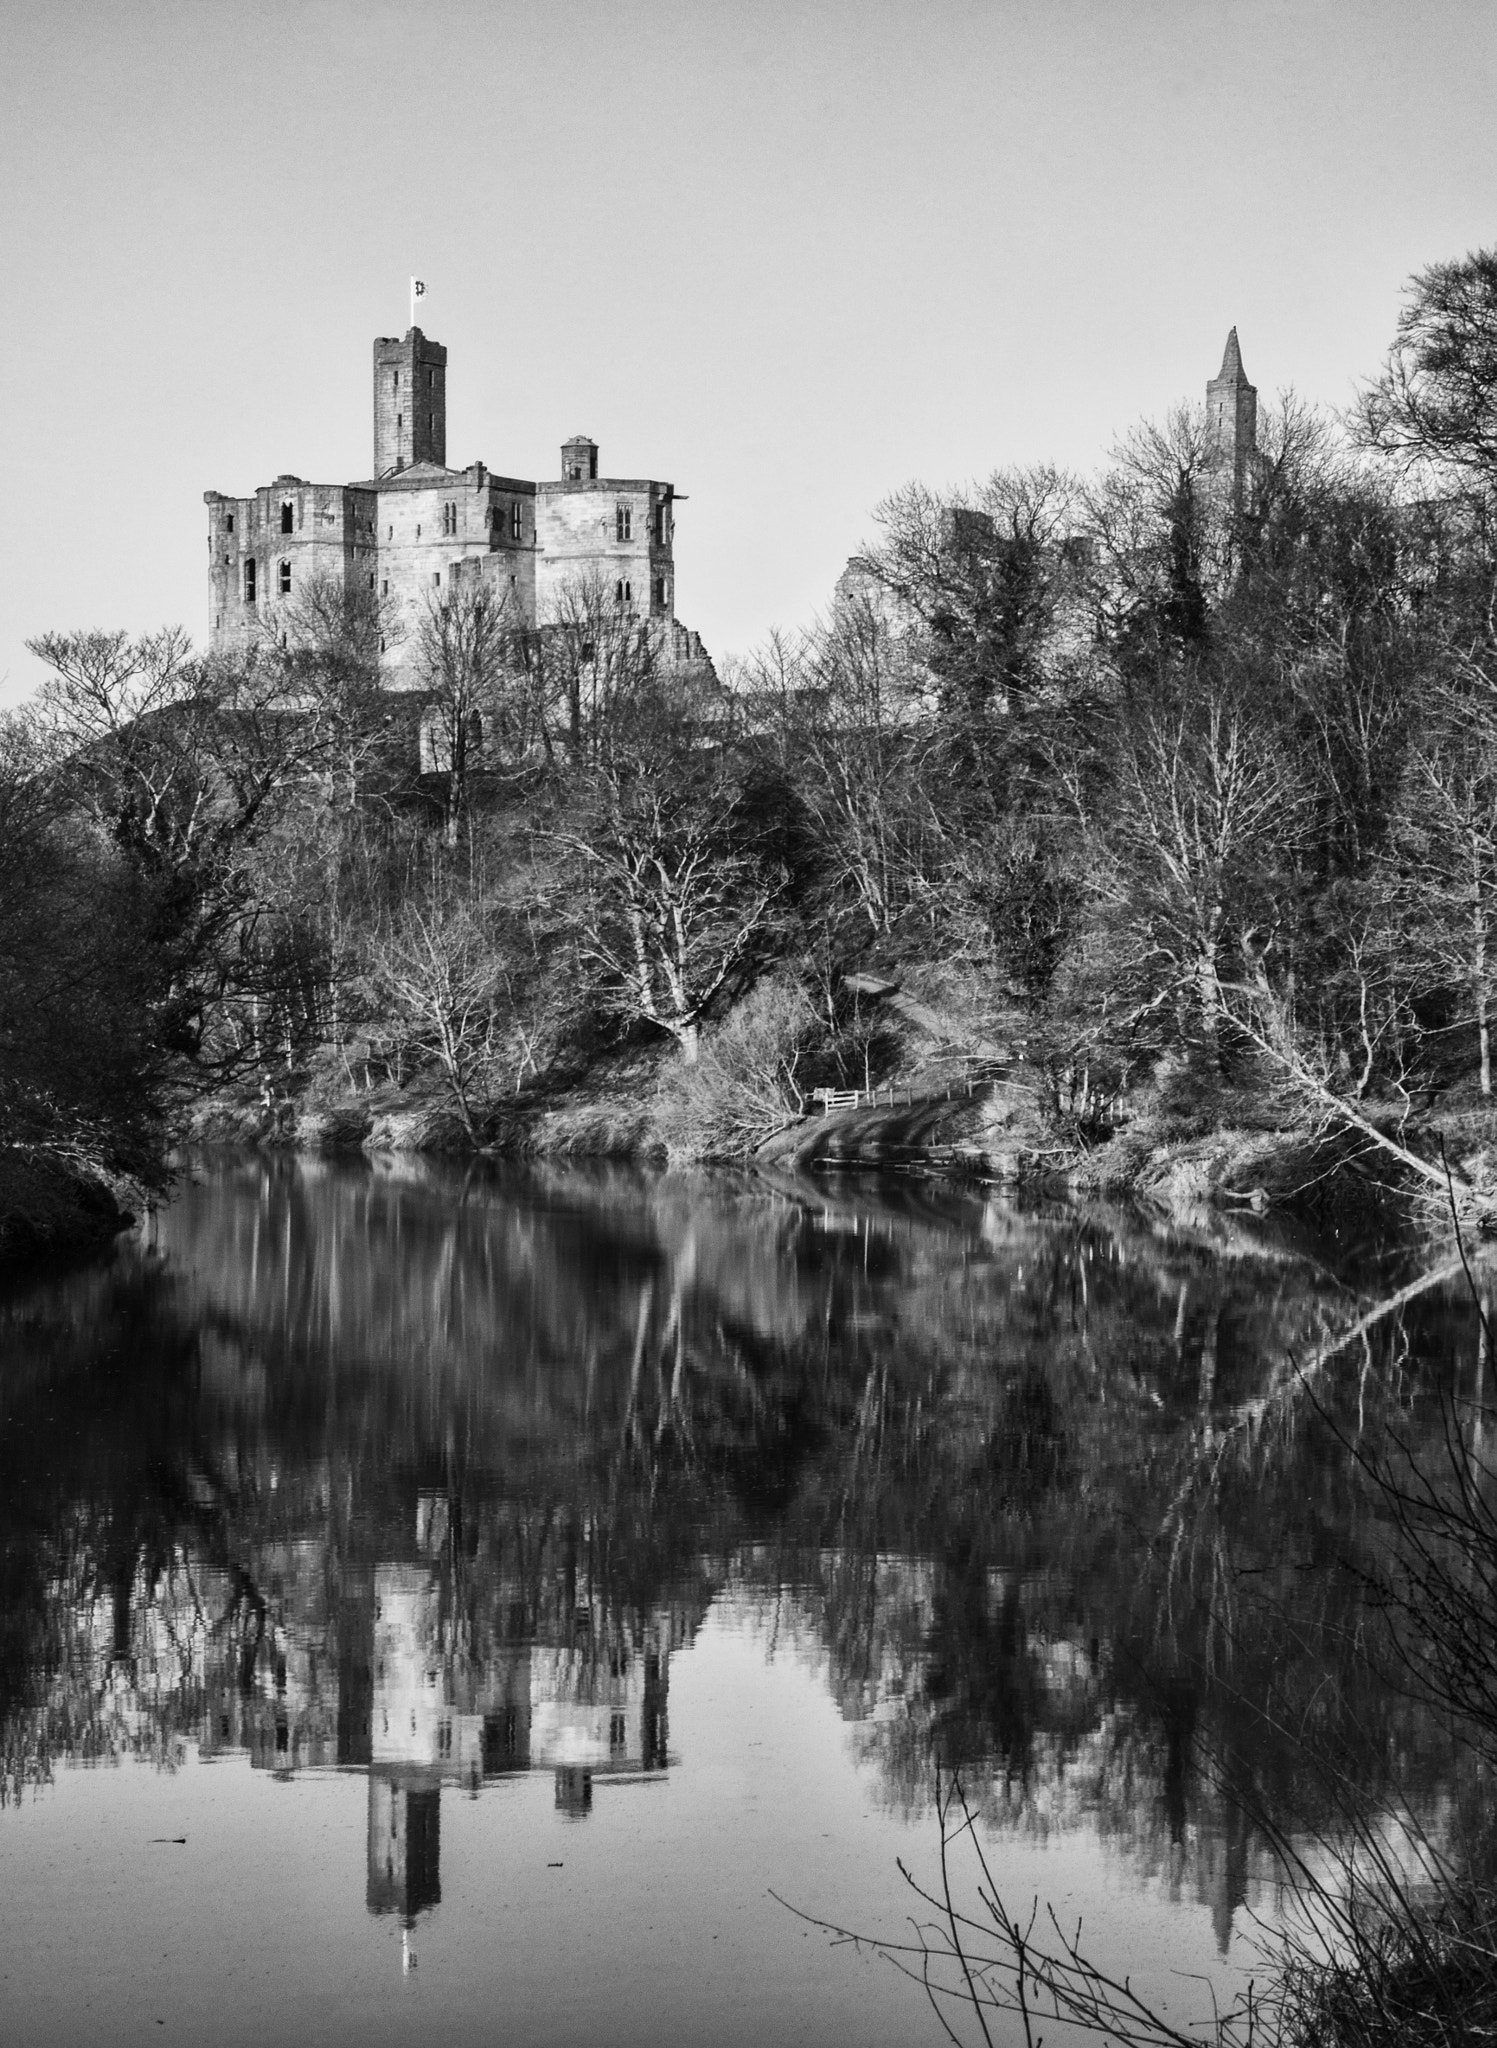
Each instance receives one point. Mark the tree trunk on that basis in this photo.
(1479, 990)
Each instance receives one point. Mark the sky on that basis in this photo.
(786, 254)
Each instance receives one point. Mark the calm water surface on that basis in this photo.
(444, 1608)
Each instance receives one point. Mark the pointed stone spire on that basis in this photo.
(1231, 371)
(1232, 417)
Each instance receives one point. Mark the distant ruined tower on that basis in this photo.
(1232, 418)
(410, 402)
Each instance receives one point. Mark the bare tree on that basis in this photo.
(602, 664)
(441, 973)
(1446, 848)
(1434, 408)
(1201, 810)
(465, 659)
(847, 709)
(681, 896)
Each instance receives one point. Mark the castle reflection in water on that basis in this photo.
(429, 1480)
(423, 1669)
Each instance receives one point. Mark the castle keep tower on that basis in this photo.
(410, 402)
(1232, 415)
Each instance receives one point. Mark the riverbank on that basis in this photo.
(47, 1209)
(1243, 1147)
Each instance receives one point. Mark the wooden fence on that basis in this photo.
(968, 1083)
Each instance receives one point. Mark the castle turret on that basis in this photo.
(410, 402)
(1232, 414)
(579, 460)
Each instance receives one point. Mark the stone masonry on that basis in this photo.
(416, 528)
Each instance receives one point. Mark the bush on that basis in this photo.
(744, 1085)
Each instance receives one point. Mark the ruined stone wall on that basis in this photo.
(578, 541)
(331, 536)
(427, 525)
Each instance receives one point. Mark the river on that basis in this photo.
(477, 1607)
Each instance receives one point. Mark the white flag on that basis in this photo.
(418, 293)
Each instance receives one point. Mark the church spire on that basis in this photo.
(1232, 417)
(1231, 371)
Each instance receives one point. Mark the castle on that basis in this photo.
(416, 529)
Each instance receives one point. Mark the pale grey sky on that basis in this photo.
(786, 253)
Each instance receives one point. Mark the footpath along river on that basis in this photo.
(460, 1607)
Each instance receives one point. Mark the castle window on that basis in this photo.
(249, 581)
(431, 423)
(392, 533)
(418, 529)
(396, 380)
(660, 590)
(623, 593)
(436, 577)
(371, 582)
(384, 589)
(431, 378)
(229, 524)
(449, 519)
(515, 522)
(288, 511)
(399, 421)
(623, 522)
(285, 578)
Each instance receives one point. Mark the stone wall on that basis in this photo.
(410, 402)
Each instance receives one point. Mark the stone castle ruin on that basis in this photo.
(417, 529)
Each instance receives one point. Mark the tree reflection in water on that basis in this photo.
(432, 1476)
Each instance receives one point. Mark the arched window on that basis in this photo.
(288, 517)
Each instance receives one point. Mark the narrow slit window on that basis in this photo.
(229, 524)
(516, 524)
(249, 581)
(288, 517)
(285, 579)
